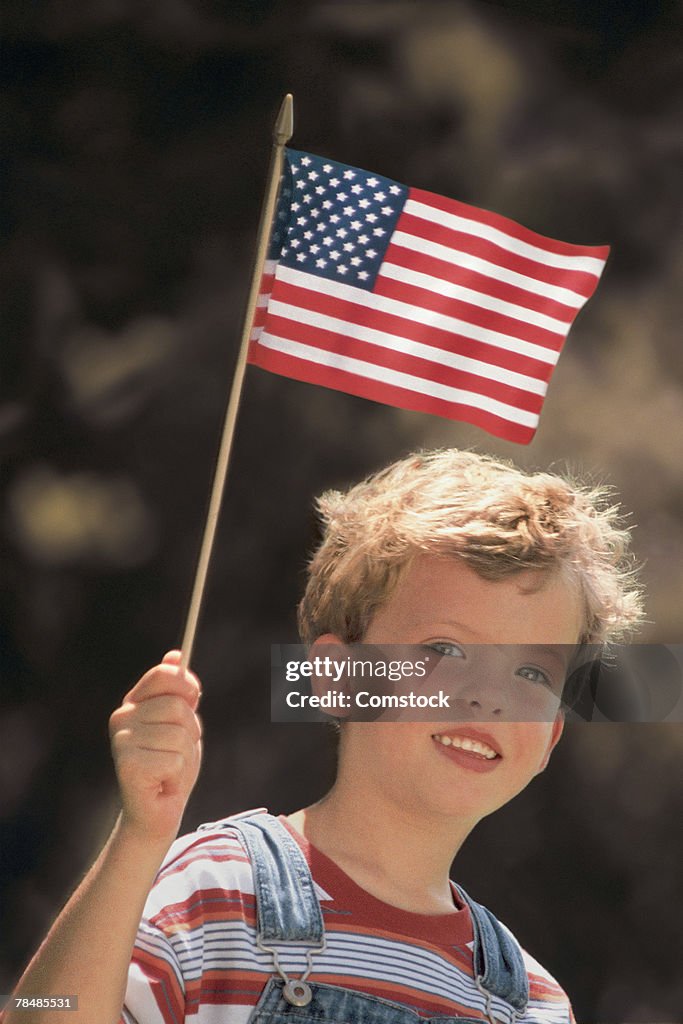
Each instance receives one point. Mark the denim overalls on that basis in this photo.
(288, 913)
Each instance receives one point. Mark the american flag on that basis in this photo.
(414, 300)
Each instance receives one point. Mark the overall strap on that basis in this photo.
(287, 907)
(498, 962)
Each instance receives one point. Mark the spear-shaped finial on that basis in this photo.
(284, 126)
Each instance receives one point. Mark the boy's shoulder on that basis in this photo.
(213, 856)
(218, 838)
(543, 986)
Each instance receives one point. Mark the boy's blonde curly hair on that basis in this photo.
(497, 518)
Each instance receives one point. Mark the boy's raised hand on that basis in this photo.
(156, 745)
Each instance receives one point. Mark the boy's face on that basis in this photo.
(420, 766)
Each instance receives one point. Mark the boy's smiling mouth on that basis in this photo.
(467, 749)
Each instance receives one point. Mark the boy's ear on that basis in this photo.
(558, 727)
(331, 646)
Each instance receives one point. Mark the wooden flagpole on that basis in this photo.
(282, 133)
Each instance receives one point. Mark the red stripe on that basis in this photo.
(198, 849)
(425, 369)
(467, 278)
(579, 281)
(487, 319)
(510, 227)
(205, 904)
(179, 866)
(390, 323)
(221, 988)
(341, 380)
(164, 986)
(265, 288)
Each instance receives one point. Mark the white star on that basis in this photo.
(335, 218)
(355, 224)
(301, 220)
(370, 253)
(322, 226)
(349, 210)
(363, 275)
(295, 243)
(372, 182)
(348, 173)
(307, 198)
(284, 253)
(334, 182)
(321, 263)
(364, 203)
(315, 213)
(315, 249)
(319, 189)
(327, 204)
(314, 174)
(356, 261)
(295, 207)
(301, 183)
(301, 256)
(334, 255)
(342, 233)
(305, 160)
(379, 232)
(395, 190)
(357, 189)
(363, 239)
(341, 269)
(387, 211)
(327, 168)
(308, 235)
(341, 196)
(348, 247)
(327, 240)
(372, 217)
(379, 196)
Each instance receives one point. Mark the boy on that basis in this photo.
(344, 911)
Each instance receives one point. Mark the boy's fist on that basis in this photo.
(156, 744)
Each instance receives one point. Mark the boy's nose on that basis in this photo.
(484, 687)
(485, 708)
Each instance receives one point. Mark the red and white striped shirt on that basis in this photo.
(196, 957)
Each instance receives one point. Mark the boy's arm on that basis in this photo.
(156, 742)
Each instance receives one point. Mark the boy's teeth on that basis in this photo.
(465, 743)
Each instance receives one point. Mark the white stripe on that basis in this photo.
(417, 314)
(587, 264)
(459, 292)
(400, 963)
(402, 380)
(394, 343)
(499, 273)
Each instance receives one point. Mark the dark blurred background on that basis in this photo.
(135, 146)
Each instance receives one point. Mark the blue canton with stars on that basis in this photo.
(334, 221)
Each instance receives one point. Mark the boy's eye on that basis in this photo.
(534, 675)
(450, 650)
